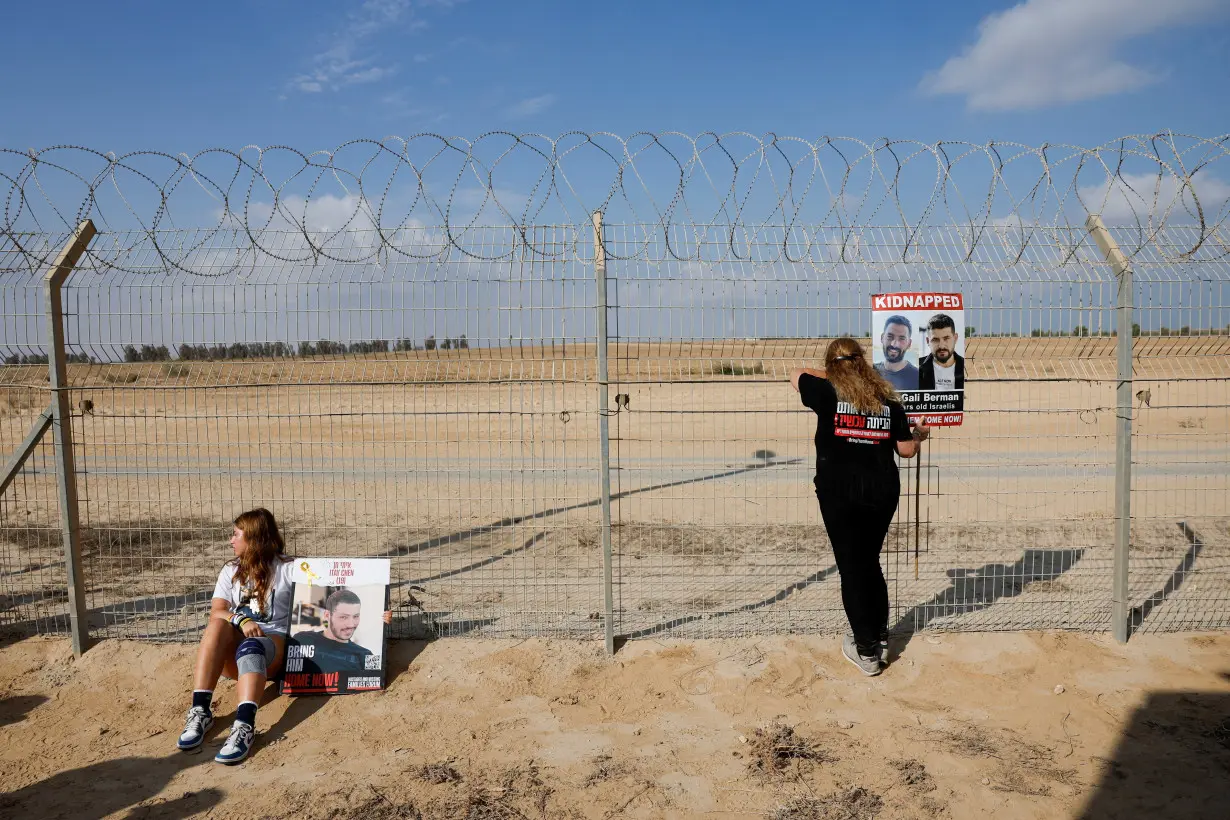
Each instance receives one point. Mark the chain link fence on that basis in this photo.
(395, 347)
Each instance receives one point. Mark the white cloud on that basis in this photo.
(531, 106)
(1149, 197)
(323, 213)
(374, 15)
(369, 75)
(336, 68)
(1043, 52)
(470, 201)
(351, 59)
(398, 105)
(345, 225)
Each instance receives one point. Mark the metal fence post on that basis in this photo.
(62, 431)
(1121, 605)
(604, 436)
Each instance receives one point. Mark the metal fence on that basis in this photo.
(556, 424)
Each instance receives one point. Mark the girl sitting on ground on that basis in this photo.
(248, 620)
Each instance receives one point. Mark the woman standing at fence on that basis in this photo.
(246, 633)
(859, 425)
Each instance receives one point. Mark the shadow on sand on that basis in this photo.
(971, 590)
(110, 786)
(1172, 762)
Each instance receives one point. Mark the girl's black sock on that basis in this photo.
(246, 713)
(203, 698)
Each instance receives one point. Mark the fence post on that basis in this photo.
(1121, 604)
(62, 431)
(604, 436)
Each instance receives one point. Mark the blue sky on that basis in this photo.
(177, 78)
(312, 74)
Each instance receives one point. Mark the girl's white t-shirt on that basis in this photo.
(272, 614)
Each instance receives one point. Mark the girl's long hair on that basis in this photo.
(853, 377)
(255, 567)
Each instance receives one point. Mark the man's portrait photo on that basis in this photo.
(336, 623)
(891, 356)
(943, 368)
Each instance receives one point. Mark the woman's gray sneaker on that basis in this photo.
(196, 725)
(867, 664)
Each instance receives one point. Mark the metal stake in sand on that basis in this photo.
(604, 437)
(917, 498)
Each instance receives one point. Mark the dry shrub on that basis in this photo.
(1021, 767)
(735, 368)
(134, 537)
(481, 805)
(855, 803)
(366, 802)
(705, 543)
(775, 748)
(1220, 733)
(914, 773)
(605, 768)
(518, 793)
(15, 401)
(121, 378)
(439, 773)
(379, 807)
(154, 537)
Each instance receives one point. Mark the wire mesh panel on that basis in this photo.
(393, 346)
(33, 581)
(33, 585)
(1180, 554)
(434, 412)
(718, 530)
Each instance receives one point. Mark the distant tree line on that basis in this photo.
(430, 343)
(237, 350)
(1081, 330)
(253, 350)
(41, 358)
(282, 350)
(325, 347)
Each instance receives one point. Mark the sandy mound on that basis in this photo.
(960, 726)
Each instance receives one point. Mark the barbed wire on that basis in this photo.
(710, 197)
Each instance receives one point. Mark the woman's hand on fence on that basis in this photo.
(921, 432)
(819, 373)
(388, 617)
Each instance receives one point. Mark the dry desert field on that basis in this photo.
(476, 472)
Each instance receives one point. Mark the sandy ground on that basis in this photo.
(1045, 725)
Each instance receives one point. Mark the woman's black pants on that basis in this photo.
(856, 517)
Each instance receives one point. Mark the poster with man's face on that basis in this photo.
(337, 630)
(918, 346)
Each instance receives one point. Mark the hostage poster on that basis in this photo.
(337, 631)
(918, 345)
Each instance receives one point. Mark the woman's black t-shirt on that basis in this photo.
(851, 444)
